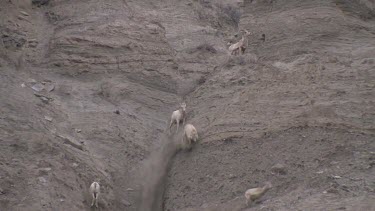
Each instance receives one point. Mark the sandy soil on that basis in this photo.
(87, 89)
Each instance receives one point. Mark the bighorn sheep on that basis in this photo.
(95, 191)
(255, 193)
(177, 116)
(190, 134)
(241, 45)
(235, 51)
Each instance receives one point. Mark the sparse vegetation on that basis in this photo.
(202, 80)
(205, 3)
(40, 2)
(207, 47)
(356, 8)
(218, 13)
(230, 12)
(233, 61)
(204, 47)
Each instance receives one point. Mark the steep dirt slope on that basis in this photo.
(99, 58)
(304, 98)
(113, 71)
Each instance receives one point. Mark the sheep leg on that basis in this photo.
(96, 200)
(248, 202)
(93, 199)
(243, 50)
(170, 126)
(178, 124)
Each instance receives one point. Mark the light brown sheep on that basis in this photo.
(178, 116)
(190, 135)
(256, 193)
(240, 46)
(95, 191)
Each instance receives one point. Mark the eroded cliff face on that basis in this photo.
(87, 89)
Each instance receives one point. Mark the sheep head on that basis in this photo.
(183, 107)
(246, 33)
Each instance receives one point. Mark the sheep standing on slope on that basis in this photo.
(94, 191)
(190, 134)
(256, 193)
(177, 116)
(240, 46)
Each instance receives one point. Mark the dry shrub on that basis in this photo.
(246, 59)
(207, 47)
(230, 12)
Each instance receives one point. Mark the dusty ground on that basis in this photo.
(303, 99)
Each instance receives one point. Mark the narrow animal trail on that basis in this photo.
(152, 176)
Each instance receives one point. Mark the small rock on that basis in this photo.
(117, 112)
(355, 179)
(23, 85)
(126, 203)
(231, 176)
(24, 13)
(130, 189)
(44, 99)
(31, 81)
(20, 17)
(320, 172)
(75, 165)
(62, 200)
(42, 179)
(336, 177)
(279, 169)
(48, 118)
(1, 191)
(78, 130)
(45, 169)
(32, 43)
(50, 87)
(38, 87)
